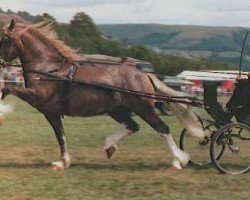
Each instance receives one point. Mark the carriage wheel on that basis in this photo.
(198, 149)
(235, 139)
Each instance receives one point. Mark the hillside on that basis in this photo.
(177, 37)
(20, 16)
(214, 43)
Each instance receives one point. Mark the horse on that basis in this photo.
(40, 52)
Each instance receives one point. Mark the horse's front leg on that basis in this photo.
(26, 94)
(56, 123)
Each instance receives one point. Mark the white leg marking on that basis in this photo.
(181, 158)
(112, 140)
(65, 154)
(65, 159)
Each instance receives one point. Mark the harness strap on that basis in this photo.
(68, 80)
(177, 99)
(67, 90)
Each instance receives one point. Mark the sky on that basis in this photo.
(188, 12)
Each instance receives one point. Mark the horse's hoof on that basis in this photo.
(182, 157)
(176, 165)
(185, 159)
(57, 166)
(110, 151)
(174, 169)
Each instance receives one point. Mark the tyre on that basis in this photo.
(235, 141)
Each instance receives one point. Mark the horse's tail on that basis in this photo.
(184, 113)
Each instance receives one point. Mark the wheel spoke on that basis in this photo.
(235, 158)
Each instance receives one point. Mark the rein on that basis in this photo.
(52, 76)
(4, 63)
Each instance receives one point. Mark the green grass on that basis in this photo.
(140, 170)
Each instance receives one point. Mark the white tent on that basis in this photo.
(210, 75)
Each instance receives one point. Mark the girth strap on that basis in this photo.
(67, 91)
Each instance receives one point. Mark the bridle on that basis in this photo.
(16, 40)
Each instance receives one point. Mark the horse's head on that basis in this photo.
(18, 41)
(11, 45)
(239, 103)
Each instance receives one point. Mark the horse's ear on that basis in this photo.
(12, 25)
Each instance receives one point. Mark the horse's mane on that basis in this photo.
(49, 35)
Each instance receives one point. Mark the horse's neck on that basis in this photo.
(36, 49)
(38, 54)
(40, 59)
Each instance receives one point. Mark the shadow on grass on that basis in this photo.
(201, 167)
(138, 166)
(122, 166)
(93, 166)
(106, 166)
(24, 166)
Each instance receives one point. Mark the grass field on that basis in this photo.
(140, 169)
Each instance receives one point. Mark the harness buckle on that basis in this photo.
(72, 71)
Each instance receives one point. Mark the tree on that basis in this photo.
(47, 18)
(83, 23)
(9, 11)
(25, 15)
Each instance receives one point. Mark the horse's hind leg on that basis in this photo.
(123, 116)
(56, 123)
(147, 113)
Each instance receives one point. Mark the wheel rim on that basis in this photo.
(198, 149)
(199, 154)
(235, 139)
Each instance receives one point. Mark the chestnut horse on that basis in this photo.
(40, 52)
